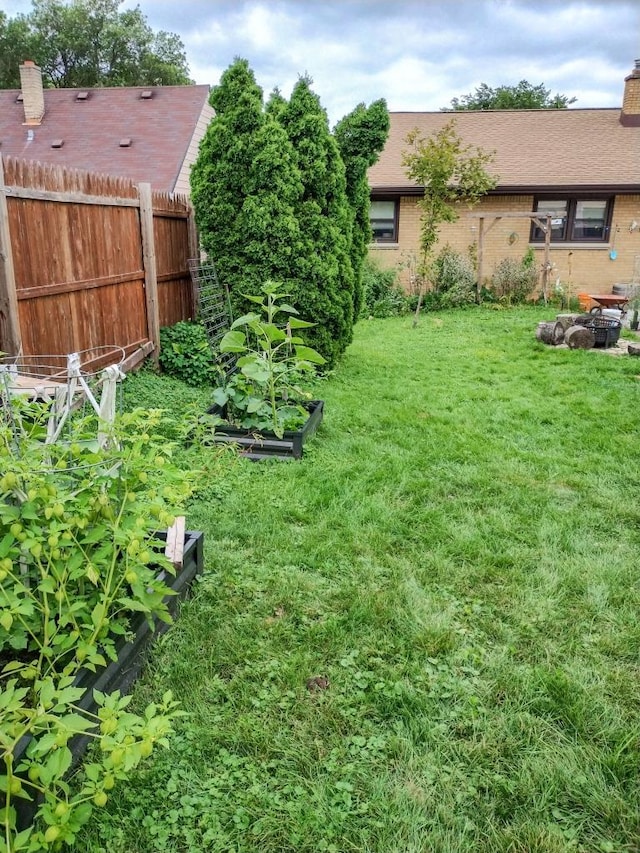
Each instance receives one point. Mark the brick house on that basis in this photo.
(582, 164)
(146, 134)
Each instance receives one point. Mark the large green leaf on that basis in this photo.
(273, 332)
(309, 354)
(245, 320)
(233, 342)
(297, 323)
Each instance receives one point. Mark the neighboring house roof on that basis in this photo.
(535, 150)
(163, 130)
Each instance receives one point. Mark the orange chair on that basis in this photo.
(586, 302)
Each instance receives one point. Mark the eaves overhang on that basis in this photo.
(520, 189)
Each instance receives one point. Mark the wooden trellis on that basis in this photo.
(543, 221)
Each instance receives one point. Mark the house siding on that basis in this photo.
(183, 185)
(577, 266)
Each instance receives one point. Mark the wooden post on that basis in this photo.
(480, 252)
(149, 264)
(194, 253)
(10, 337)
(547, 260)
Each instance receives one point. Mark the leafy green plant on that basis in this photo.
(185, 353)
(514, 281)
(78, 559)
(383, 297)
(264, 392)
(454, 279)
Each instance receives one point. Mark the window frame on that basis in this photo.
(396, 210)
(571, 201)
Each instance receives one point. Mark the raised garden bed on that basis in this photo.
(266, 445)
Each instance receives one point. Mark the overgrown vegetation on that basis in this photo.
(424, 636)
(513, 281)
(185, 353)
(382, 295)
(78, 563)
(454, 281)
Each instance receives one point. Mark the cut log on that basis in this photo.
(566, 320)
(579, 337)
(550, 333)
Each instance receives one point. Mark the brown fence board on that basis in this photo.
(78, 261)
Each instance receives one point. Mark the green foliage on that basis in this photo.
(383, 297)
(451, 173)
(272, 203)
(523, 96)
(78, 561)
(272, 358)
(90, 43)
(514, 281)
(454, 279)
(324, 288)
(185, 353)
(245, 189)
(361, 136)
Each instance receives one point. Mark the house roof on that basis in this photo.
(535, 150)
(94, 129)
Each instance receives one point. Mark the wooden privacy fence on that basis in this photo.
(89, 260)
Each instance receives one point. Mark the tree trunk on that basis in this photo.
(579, 337)
(550, 333)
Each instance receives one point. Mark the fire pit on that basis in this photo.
(606, 330)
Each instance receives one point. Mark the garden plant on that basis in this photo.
(79, 560)
(264, 392)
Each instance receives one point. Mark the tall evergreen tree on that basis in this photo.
(245, 188)
(361, 136)
(325, 293)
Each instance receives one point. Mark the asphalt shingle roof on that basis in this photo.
(534, 149)
(160, 129)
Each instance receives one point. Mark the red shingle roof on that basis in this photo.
(160, 129)
(534, 149)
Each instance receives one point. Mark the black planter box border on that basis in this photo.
(266, 445)
(123, 672)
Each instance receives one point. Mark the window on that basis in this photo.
(576, 220)
(384, 220)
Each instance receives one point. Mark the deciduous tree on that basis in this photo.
(523, 96)
(451, 173)
(90, 43)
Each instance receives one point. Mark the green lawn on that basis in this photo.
(458, 554)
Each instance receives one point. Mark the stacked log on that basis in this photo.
(579, 337)
(566, 320)
(550, 333)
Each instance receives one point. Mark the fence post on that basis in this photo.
(149, 264)
(10, 337)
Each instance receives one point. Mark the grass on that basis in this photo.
(424, 637)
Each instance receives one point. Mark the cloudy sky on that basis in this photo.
(418, 54)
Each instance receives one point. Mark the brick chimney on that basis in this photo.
(32, 93)
(630, 115)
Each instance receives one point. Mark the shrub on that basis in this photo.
(514, 281)
(383, 296)
(454, 279)
(77, 535)
(185, 353)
